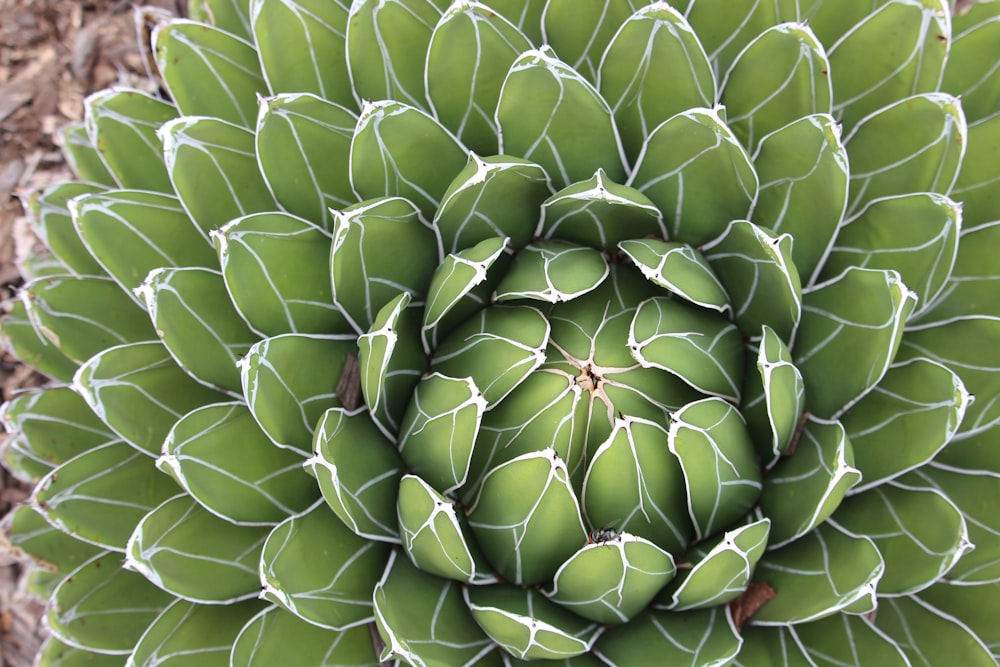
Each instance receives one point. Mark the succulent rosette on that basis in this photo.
(454, 333)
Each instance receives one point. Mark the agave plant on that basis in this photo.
(409, 331)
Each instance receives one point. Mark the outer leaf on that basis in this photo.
(975, 606)
(82, 157)
(580, 33)
(969, 76)
(54, 652)
(54, 553)
(725, 27)
(195, 555)
(971, 288)
(30, 345)
(679, 269)
(842, 639)
(929, 635)
(979, 178)
(316, 568)
(698, 637)
(229, 15)
(264, 641)
(552, 271)
(51, 218)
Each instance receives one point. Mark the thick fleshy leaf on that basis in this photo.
(82, 157)
(906, 420)
(527, 518)
(358, 471)
(972, 286)
(140, 393)
(824, 572)
(214, 170)
(580, 33)
(316, 568)
(896, 51)
(842, 639)
(804, 182)
(365, 278)
(979, 178)
(194, 317)
(837, 324)
(690, 639)
(195, 555)
(653, 68)
(389, 152)
(695, 170)
(492, 197)
(301, 47)
(440, 428)
(527, 624)
(722, 571)
(265, 641)
(84, 315)
(781, 76)
(225, 462)
(122, 124)
(436, 536)
(700, 348)
(229, 15)
(288, 397)
(498, 349)
(756, 268)
(599, 213)
(634, 484)
(208, 71)
(387, 46)
(303, 144)
(723, 480)
(54, 652)
(975, 606)
(803, 489)
(104, 608)
(192, 635)
(967, 346)
(919, 533)
(930, 636)
(53, 553)
(470, 51)
(680, 269)
(916, 235)
(552, 271)
(100, 495)
(52, 222)
(968, 75)
(612, 581)
(24, 339)
(550, 114)
(914, 145)
(424, 620)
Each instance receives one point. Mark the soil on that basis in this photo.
(53, 53)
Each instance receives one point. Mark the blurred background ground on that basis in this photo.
(52, 54)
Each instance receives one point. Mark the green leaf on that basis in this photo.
(301, 46)
(528, 625)
(192, 635)
(842, 639)
(32, 346)
(214, 170)
(195, 555)
(55, 653)
(133, 232)
(725, 27)
(122, 126)
(722, 478)
(837, 324)
(634, 485)
(104, 608)
(653, 68)
(54, 553)
(755, 266)
(527, 518)
(722, 571)
(139, 393)
(387, 47)
(265, 641)
(680, 269)
(910, 416)
(225, 462)
(803, 187)
(552, 271)
(423, 620)
(82, 157)
(975, 606)
(919, 533)
(316, 568)
(612, 581)
(969, 76)
(273, 295)
(208, 71)
(550, 114)
(194, 317)
(580, 32)
(781, 76)
(303, 144)
(695, 170)
(693, 638)
(824, 572)
(599, 213)
(358, 471)
(50, 214)
(928, 635)
(805, 488)
(288, 397)
(972, 286)
(229, 15)
(896, 51)
(914, 145)
(469, 54)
